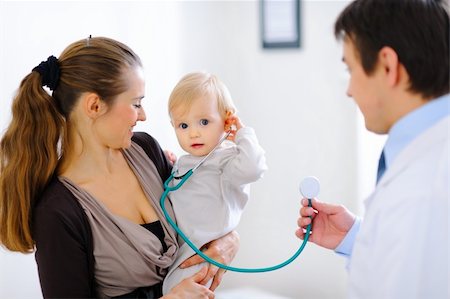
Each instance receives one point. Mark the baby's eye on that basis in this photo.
(204, 122)
(183, 126)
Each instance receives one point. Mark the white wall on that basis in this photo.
(295, 99)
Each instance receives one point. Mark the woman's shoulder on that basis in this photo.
(56, 213)
(57, 201)
(53, 193)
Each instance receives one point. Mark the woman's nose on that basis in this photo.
(141, 115)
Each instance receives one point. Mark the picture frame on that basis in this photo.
(280, 23)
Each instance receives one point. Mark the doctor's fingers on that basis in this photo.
(315, 203)
(300, 233)
(303, 222)
(307, 212)
(307, 215)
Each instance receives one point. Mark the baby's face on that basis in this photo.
(199, 128)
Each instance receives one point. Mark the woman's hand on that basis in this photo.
(330, 223)
(170, 156)
(222, 250)
(191, 287)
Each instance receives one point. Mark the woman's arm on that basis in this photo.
(222, 250)
(63, 247)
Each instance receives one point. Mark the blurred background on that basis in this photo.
(294, 98)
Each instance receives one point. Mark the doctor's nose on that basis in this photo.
(348, 91)
(349, 94)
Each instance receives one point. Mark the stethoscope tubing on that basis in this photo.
(168, 189)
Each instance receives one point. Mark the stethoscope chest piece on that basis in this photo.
(310, 187)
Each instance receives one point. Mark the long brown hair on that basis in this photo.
(37, 138)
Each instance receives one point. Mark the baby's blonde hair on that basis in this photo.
(198, 84)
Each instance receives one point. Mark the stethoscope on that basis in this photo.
(309, 188)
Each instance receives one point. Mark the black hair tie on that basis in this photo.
(49, 71)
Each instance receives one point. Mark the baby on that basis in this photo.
(210, 203)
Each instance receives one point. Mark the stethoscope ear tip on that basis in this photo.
(310, 187)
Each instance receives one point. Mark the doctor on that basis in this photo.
(397, 53)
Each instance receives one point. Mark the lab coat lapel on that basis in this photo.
(415, 149)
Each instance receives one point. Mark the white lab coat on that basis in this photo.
(402, 248)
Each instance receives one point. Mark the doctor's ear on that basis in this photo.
(390, 63)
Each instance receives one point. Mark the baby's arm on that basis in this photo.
(249, 163)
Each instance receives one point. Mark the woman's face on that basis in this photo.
(115, 128)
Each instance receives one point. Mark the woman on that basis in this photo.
(78, 186)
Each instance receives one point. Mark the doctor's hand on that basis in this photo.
(330, 223)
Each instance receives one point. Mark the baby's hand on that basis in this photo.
(233, 124)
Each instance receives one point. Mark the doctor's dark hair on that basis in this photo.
(38, 134)
(417, 30)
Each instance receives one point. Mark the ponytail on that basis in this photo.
(28, 159)
(38, 133)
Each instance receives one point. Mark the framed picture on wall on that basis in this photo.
(280, 23)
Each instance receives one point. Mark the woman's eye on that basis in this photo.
(137, 106)
(183, 126)
(204, 122)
